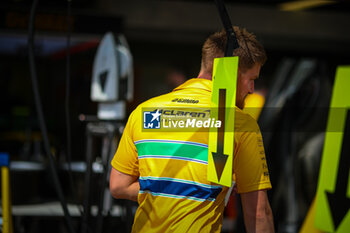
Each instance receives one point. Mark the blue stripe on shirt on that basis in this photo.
(179, 189)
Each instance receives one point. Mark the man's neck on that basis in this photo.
(204, 75)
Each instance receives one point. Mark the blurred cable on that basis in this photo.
(67, 115)
(67, 107)
(53, 170)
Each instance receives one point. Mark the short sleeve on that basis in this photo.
(250, 167)
(125, 159)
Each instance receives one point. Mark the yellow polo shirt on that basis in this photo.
(175, 195)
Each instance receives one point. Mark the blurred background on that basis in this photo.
(305, 42)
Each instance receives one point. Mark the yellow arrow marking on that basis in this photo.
(327, 182)
(220, 150)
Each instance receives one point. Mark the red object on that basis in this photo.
(75, 49)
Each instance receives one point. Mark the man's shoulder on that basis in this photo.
(157, 100)
(245, 122)
(153, 103)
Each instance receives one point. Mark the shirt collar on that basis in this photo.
(196, 83)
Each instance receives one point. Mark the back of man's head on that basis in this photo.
(250, 50)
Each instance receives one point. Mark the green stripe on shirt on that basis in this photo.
(172, 149)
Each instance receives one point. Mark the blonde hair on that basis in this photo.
(250, 50)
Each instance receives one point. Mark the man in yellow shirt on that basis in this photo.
(166, 171)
